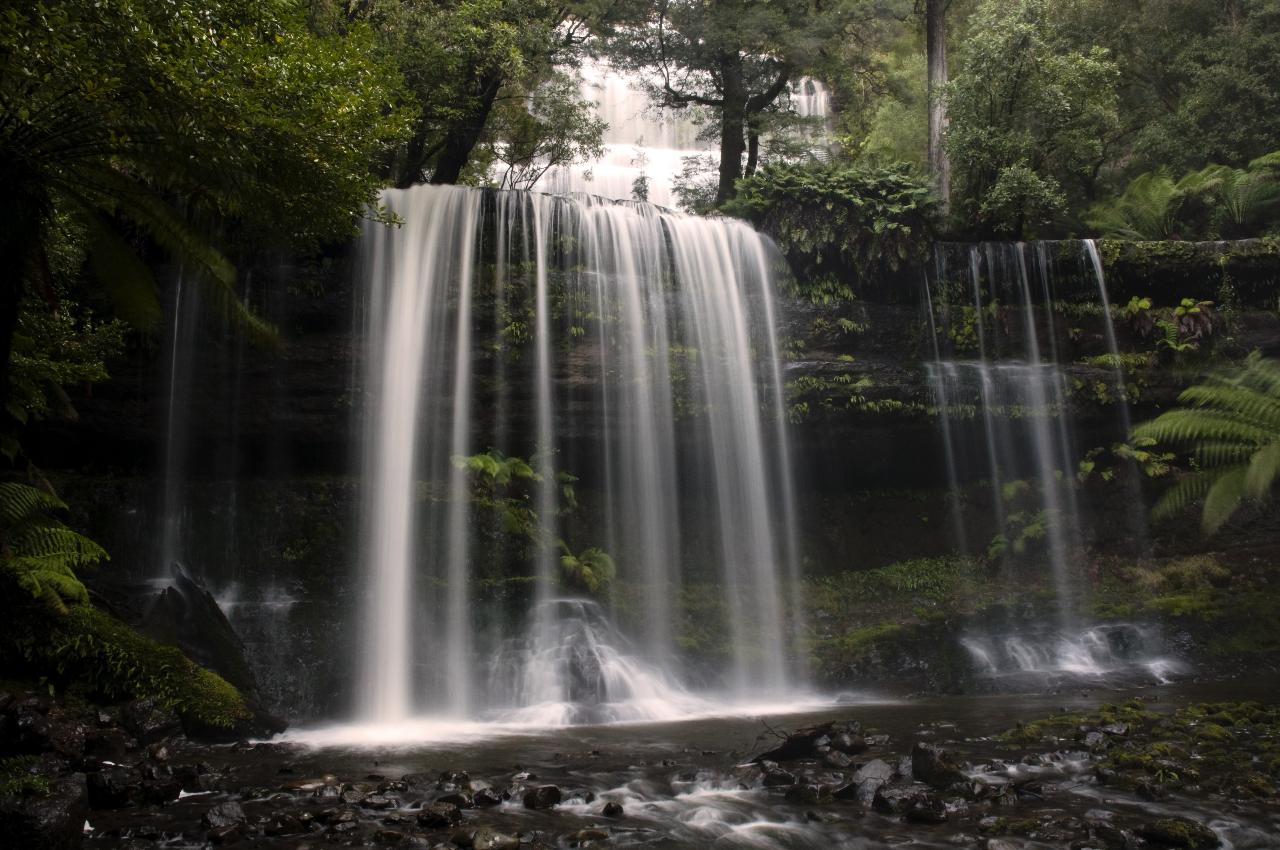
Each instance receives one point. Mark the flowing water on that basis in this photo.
(647, 148)
(581, 335)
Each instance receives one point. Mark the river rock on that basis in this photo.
(837, 760)
(149, 722)
(934, 766)
(866, 781)
(586, 837)
(221, 835)
(927, 808)
(114, 787)
(776, 777)
(896, 799)
(612, 809)
(284, 823)
(1182, 833)
(484, 838)
(808, 794)
(52, 821)
(485, 798)
(439, 816)
(542, 797)
(223, 814)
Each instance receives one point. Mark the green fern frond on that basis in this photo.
(1263, 469)
(21, 502)
(128, 280)
(1186, 492)
(1222, 499)
(1195, 425)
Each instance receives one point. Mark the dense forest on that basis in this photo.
(954, 347)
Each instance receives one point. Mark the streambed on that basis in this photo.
(687, 785)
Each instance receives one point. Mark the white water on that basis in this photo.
(642, 141)
(1111, 652)
(487, 314)
(1015, 392)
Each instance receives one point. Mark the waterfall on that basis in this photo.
(630, 355)
(1017, 402)
(651, 145)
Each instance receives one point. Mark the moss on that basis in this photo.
(95, 651)
(16, 777)
(1212, 732)
(1202, 604)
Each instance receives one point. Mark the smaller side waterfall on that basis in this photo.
(1005, 394)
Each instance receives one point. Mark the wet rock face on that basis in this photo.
(49, 822)
(935, 767)
(1182, 833)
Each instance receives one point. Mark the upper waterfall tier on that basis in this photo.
(646, 146)
(486, 310)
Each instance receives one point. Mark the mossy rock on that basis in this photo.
(1181, 833)
(89, 650)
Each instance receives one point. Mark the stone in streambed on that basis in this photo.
(934, 766)
(460, 799)
(52, 821)
(897, 799)
(809, 794)
(776, 777)
(586, 837)
(612, 810)
(223, 814)
(542, 797)
(439, 816)
(837, 760)
(485, 798)
(1182, 833)
(484, 838)
(927, 808)
(866, 781)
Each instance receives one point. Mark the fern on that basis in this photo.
(1230, 424)
(40, 552)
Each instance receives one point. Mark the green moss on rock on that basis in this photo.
(92, 650)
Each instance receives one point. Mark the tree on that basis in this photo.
(735, 57)
(1230, 424)
(482, 74)
(935, 23)
(148, 122)
(1031, 114)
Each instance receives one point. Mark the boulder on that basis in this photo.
(484, 838)
(1183, 833)
(612, 809)
(486, 798)
(776, 777)
(934, 766)
(223, 815)
(149, 722)
(897, 799)
(439, 816)
(114, 788)
(542, 797)
(52, 821)
(927, 808)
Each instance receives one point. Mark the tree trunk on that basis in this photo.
(936, 45)
(733, 121)
(753, 149)
(462, 138)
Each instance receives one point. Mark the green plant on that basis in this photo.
(591, 570)
(1230, 424)
(839, 225)
(92, 649)
(16, 777)
(39, 551)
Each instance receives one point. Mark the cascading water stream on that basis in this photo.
(647, 146)
(478, 340)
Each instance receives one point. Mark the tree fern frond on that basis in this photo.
(1179, 497)
(1190, 426)
(1238, 400)
(1222, 499)
(128, 280)
(1263, 469)
(20, 502)
(1216, 455)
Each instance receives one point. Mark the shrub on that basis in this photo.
(839, 226)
